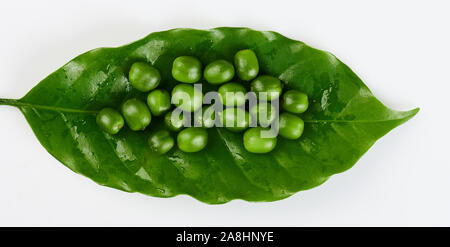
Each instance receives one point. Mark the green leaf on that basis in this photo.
(343, 121)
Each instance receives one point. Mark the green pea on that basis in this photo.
(264, 113)
(291, 126)
(136, 114)
(246, 64)
(110, 120)
(158, 101)
(192, 139)
(235, 119)
(161, 141)
(187, 97)
(144, 77)
(218, 72)
(256, 142)
(267, 84)
(206, 118)
(176, 122)
(295, 101)
(187, 69)
(232, 94)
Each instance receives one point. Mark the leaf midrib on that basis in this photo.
(18, 103)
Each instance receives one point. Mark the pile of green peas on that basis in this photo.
(232, 94)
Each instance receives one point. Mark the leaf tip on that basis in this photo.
(407, 115)
(412, 112)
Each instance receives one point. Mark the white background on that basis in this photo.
(399, 48)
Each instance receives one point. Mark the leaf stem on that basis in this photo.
(11, 102)
(17, 103)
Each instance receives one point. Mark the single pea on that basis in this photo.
(232, 94)
(136, 114)
(187, 97)
(110, 120)
(187, 69)
(158, 101)
(256, 142)
(206, 118)
(291, 126)
(174, 122)
(267, 84)
(144, 77)
(294, 101)
(246, 64)
(192, 139)
(161, 141)
(218, 72)
(264, 113)
(235, 119)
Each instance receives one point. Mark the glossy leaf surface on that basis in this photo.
(343, 121)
